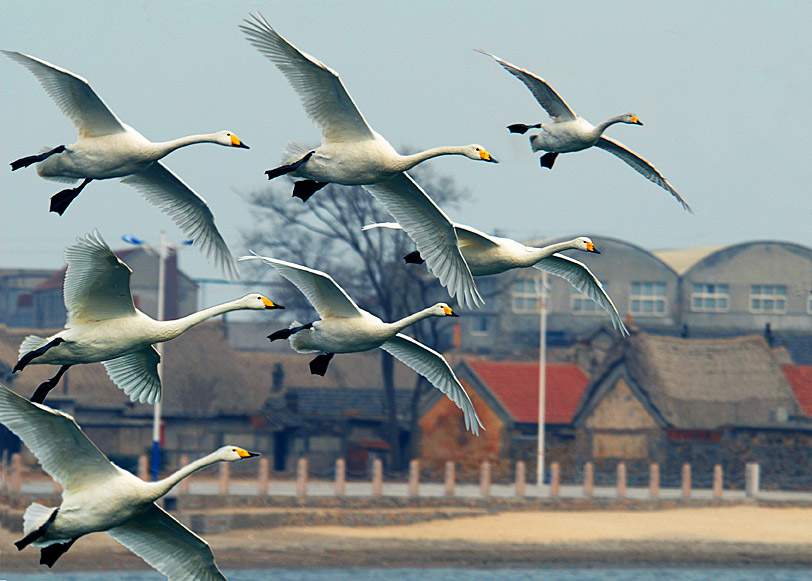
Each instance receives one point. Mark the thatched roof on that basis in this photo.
(697, 383)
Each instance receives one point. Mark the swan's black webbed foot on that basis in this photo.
(548, 159)
(46, 386)
(318, 366)
(286, 169)
(49, 555)
(286, 333)
(303, 189)
(31, 355)
(26, 161)
(413, 258)
(521, 128)
(61, 200)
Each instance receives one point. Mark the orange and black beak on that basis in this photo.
(591, 248)
(269, 304)
(235, 142)
(246, 454)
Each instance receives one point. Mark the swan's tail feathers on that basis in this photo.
(30, 343)
(36, 520)
(288, 168)
(294, 328)
(137, 375)
(42, 156)
(294, 151)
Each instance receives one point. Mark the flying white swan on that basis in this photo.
(346, 328)
(352, 153)
(104, 325)
(108, 148)
(488, 255)
(571, 132)
(99, 496)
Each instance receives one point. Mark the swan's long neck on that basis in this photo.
(409, 161)
(161, 487)
(601, 127)
(164, 148)
(412, 319)
(171, 329)
(536, 254)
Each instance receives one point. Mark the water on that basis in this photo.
(455, 574)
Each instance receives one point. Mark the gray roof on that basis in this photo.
(697, 383)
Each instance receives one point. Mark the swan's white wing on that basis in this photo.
(432, 232)
(97, 283)
(168, 546)
(641, 166)
(431, 365)
(74, 97)
(323, 95)
(544, 93)
(63, 450)
(187, 209)
(329, 299)
(137, 374)
(578, 275)
(471, 236)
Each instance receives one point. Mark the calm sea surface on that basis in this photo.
(557, 574)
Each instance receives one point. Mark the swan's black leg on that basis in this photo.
(521, 128)
(48, 555)
(35, 534)
(28, 357)
(303, 189)
(285, 333)
(26, 161)
(46, 386)
(413, 258)
(61, 200)
(319, 364)
(548, 159)
(285, 169)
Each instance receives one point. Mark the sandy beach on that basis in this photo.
(721, 535)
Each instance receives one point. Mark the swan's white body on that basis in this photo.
(570, 132)
(346, 328)
(487, 255)
(108, 148)
(352, 153)
(104, 325)
(99, 496)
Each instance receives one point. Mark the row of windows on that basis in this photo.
(649, 298)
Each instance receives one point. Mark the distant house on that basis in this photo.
(506, 397)
(705, 401)
(16, 295)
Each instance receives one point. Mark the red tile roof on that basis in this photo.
(800, 378)
(516, 385)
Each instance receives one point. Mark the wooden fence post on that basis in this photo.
(685, 487)
(301, 477)
(718, 481)
(621, 480)
(143, 468)
(225, 478)
(377, 477)
(263, 476)
(449, 478)
(16, 480)
(555, 479)
(589, 479)
(520, 479)
(654, 481)
(341, 477)
(414, 477)
(485, 479)
(183, 485)
(752, 478)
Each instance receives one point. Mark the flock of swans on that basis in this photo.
(103, 324)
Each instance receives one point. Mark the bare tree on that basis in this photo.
(325, 233)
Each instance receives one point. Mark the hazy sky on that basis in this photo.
(724, 90)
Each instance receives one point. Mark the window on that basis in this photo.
(580, 304)
(525, 296)
(710, 297)
(647, 298)
(480, 325)
(768, 298)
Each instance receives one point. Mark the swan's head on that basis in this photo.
(443, 310)
(585, 244)
(479, 153)
(258, 302)
(228, 139)
(233, 453)
(630, 118)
